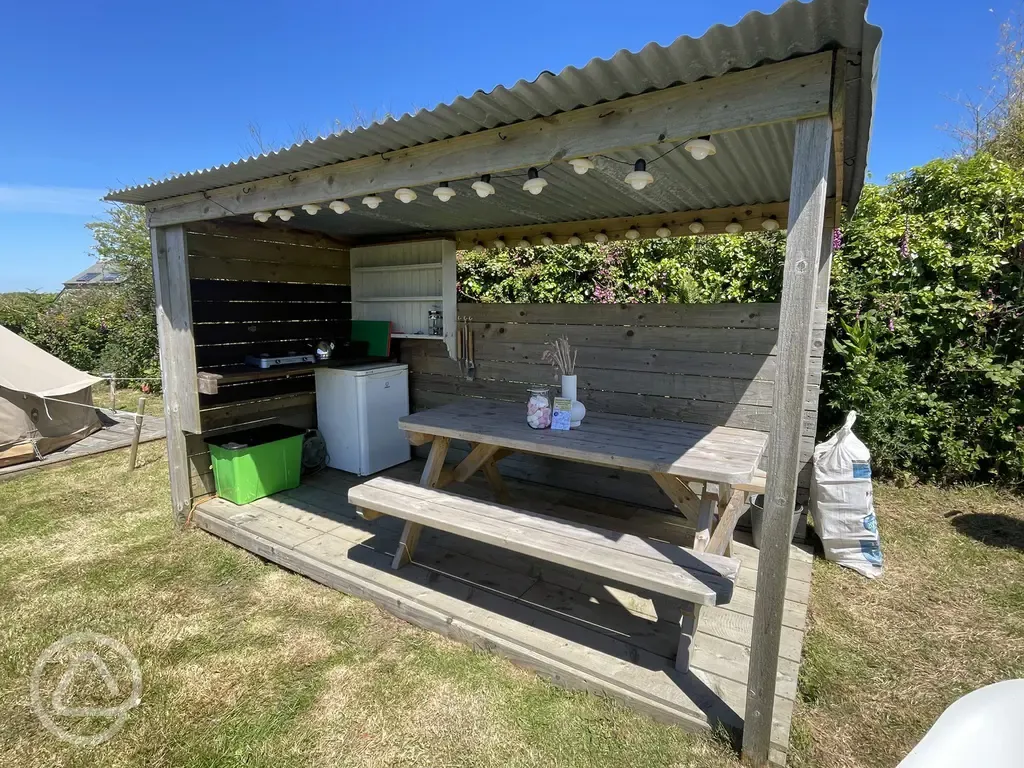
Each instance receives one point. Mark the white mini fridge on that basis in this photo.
(357, 412)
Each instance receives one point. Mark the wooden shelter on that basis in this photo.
(786, 102)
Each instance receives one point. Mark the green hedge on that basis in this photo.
(926, 338)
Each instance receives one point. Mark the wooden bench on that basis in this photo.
(658, 567)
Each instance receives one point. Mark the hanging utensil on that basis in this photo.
(470, 357)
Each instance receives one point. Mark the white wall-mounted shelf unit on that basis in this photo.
(402, 282)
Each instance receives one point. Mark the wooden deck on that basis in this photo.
(117, 432)
(575, 629)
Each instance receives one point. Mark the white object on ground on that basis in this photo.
(842, 504)
(983, 728)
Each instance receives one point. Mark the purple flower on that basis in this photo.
(837, 239)
(905, 241)
(892, 325)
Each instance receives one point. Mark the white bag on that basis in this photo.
(842, 504)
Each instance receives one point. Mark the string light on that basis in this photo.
(601, 237)
(405, 194)
(262, 216)
(770, 224)
(483, 187)
(632, 234)
(499, 243)
(663, 232)
(311, 208)
(547, 240)
(639, 178)
(696, 226)
(734, 227)
(534, 184)
(524, 243)
(700, 148)
(283, 214)
(581, 164)
(339, 206)
(575, 239)
(443, 192)
(372, 202)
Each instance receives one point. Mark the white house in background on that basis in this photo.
(100, 273)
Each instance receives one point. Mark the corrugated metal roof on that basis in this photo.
(795, 29)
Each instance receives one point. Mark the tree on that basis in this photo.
(995, 121)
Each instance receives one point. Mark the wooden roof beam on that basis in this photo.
(713, 219)
(790, 90)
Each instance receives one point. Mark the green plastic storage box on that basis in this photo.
(257, 462)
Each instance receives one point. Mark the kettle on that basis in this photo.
(324, 349)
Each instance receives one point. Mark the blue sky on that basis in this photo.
(103, 94)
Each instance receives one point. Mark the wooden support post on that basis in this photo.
(705, 519)
(113, 391)
(429, 479)
(140, 414)
(177, 357)
(679, 493)
(687, 635)
(480, 454)
(720, 542)
(807, 203)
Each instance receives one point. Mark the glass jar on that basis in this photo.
(538, 408)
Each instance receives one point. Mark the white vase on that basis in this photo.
(569, 387)
(578, 410)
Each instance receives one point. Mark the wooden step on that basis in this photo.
(656, 566)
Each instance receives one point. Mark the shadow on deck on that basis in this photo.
(577, 630)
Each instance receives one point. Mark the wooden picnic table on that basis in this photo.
(722, 460)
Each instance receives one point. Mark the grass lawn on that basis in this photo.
(246, 664)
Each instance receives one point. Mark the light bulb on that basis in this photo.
(734, 227)
(262, 216)
(311, 208)
(663, 232)
(632, 234)
(479, 247)
(405, 194)
(499, 243)
(696, 226)
(639, 178)
(700, 148)
(547, 240)
(443, 192)
(581, 164)
(483, 187)
(770, 224)
(534, 184)
(524, 243)
(372, 201)
(575, 239)
(601, 237)
(339, 206)
(283, 214)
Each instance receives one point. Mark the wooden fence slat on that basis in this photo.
(726, 390)
(262, 311)
(216, 268)
(757, 341)
(301, 408)
(210, 246)
(235, 333)
(717, 364)
(675, 315)
(247, 290)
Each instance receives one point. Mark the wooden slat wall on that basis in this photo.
(710, 364)
(278, 294)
